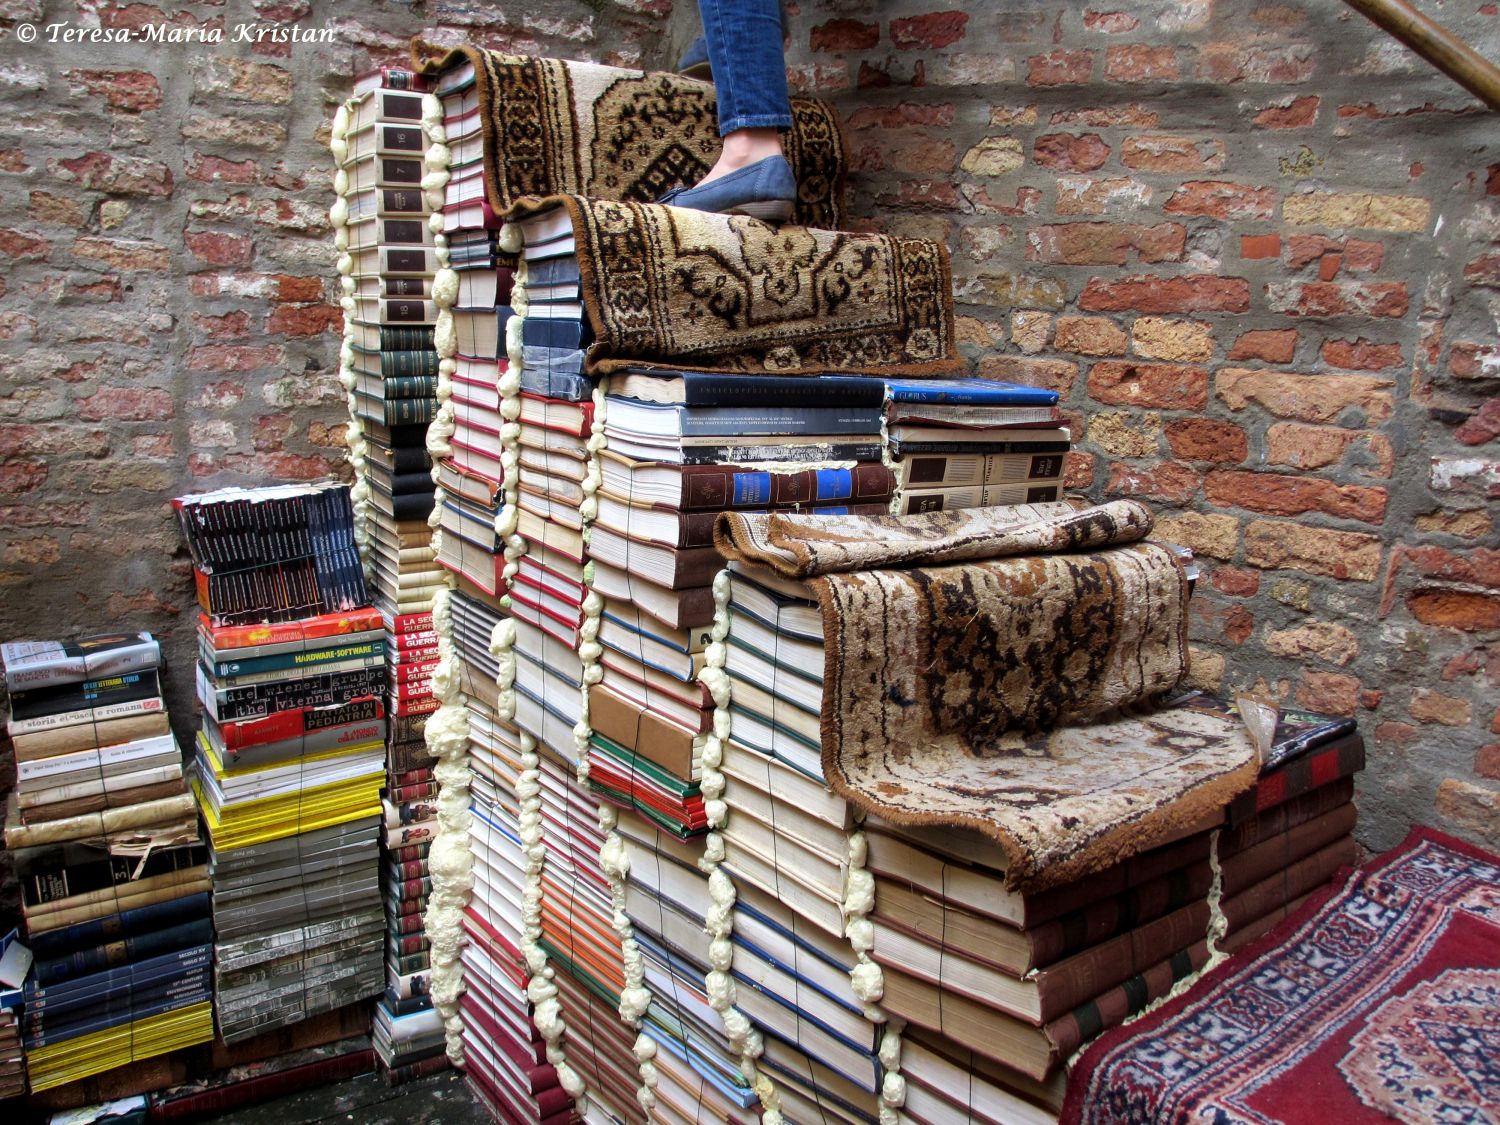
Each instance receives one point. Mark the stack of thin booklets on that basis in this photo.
(1000, 985)
(680, 448)
(290, 759)
(974, 443)
(112, 871)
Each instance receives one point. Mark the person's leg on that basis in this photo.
(749, 68)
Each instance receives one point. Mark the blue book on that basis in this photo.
(138, 947)
(543, 333)
(553, 271)
(561, 384)
(971, 392)
(554, 360)
(119, 998)
(674, 420)
(142, 972)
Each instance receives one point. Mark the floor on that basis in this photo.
(443, 1099)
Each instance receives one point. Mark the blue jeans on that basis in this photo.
(744, 49)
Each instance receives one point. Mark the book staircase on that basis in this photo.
(641, 901)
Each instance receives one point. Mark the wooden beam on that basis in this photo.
(1437, 45)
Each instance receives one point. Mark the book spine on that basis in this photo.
(116, 953)
(1069, 1032)
(1269, 856)
(90, 715)
(728, 421)
(1292, 882)
(232, 704)
(409, 411)
(1068, 983)
(902, 448)
(148, 971)
(405, 387)
(1342, 758)
(1284, 817)
(199, 992)
(54, 944)
(404, 338)
(227, 670)
(1062, 937)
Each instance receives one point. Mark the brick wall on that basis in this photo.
(1255, 248)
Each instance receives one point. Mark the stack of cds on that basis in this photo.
(112, 871)
(974, 443)
(290, 760)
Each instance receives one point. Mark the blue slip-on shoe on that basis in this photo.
(764, 190)
(694, 62)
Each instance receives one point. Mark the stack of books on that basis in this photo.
(12, 1058)
(1013, 984)
(290, 759)
(391, 330)
(88, 725)
(974, 443)
(698, 1071)
(107, 852)
(471, 476)
(680, 444)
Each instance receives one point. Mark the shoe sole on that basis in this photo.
(703, 72)
(767, 211)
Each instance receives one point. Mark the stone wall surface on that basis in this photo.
(1256, 247)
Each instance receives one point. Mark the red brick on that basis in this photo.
(19, 246)
(1306, 398)
(1259, 63)
(1361, 256)
(871, 77)
(932, 195)
(1484, 271)
(127, 404)
(1361, 355)
(1314, 447)
(1168, 481)
(305, 320)
(1051, 374)
(1470, 360)
(225, 357)
(1254, 247)
(1110, 23)
(1479, 567)
(215, 169)
(1205, 439)
(1481, 427)
(216, 248)
(1105, 243)
(898, 116)
(845, 35)
(1169, 385)
(1090, 335)
(1108, 116)
(1154, 153)
(289, 288)
(1328, 693)
(1078, 470)
(1305, 248)
(929, 32)
(1065, 152)
(1217, 199)
(918, 155)
(13, 160)
(1273, 345)
(133, 91)
(1144, 293)
(231, 326)
(1080, 195)
(1299, 113)
(1328, 266)
(271, 431)
(1339, 298)
(1234, 581)
(1455, 609)
(115, 174)
(1060, 68)
(19, 477)
(1279, 495)
(1138, 63)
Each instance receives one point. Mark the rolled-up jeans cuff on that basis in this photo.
(762, 121)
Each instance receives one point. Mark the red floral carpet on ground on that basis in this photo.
(1378, 1002)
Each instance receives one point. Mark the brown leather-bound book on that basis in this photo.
(1046, 994)
(1271, 895)
(647, 733)
(1034, 1051)
(98, 802)
(1270, 856)
(1281, 818)
(1019, 950)
(1343, 757)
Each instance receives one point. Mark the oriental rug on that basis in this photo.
(553, 127)
(958, 644)
(711, 292)
(1379, 1001)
